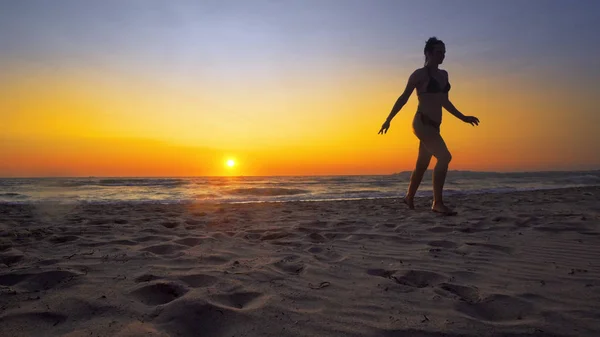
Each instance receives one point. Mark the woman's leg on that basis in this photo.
(437, 147)
(417, 175)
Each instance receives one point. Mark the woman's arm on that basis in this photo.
(401, 101)
(452, 109)
(447, 104)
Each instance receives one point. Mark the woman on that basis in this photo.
(432, 89)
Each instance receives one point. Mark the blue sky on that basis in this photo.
(178, 35)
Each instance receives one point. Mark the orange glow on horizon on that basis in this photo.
(87, 124)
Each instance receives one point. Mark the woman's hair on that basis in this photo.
(430, 44)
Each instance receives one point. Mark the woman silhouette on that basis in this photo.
(432, 89)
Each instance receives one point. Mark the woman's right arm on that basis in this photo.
(401, 101)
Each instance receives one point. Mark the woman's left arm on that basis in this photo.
(451, 108)
(447, 104)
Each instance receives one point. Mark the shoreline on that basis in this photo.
(449, 194)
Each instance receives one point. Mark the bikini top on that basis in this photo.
(433, 87)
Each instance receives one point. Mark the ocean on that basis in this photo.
(278, 189)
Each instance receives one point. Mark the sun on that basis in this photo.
(230, 163)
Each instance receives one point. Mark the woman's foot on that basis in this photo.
(442, 209)
(409, 201)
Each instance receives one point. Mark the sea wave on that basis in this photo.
(585, 179)
(267, 191)
(142, 182)
(116, 182)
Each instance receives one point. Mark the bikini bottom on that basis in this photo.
(428, 121)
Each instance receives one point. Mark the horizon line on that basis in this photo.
(295, 175)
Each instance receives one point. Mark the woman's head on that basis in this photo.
(435, 51)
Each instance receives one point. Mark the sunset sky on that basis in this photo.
(177, 88)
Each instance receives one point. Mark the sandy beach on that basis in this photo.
(513, 264)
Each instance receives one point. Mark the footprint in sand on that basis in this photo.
(29, 323)
(39, 281)
(304, 304)
(198, 280)
(273, 236)
(11, 257)
(159, 293)
(381, 272)
(497, 308)
(252, 236)
(240, 300)
(146, 278)
(194, 222)
(164, 249)
(420, 278)
(186, 317)
(316, 237)
(403, 284)
(465, 293)
(325, 254)
(138, 328)
(292, 264)
(12, 279)
(170, 224)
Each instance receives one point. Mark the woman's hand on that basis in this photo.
(471, 120)
(384, 127)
